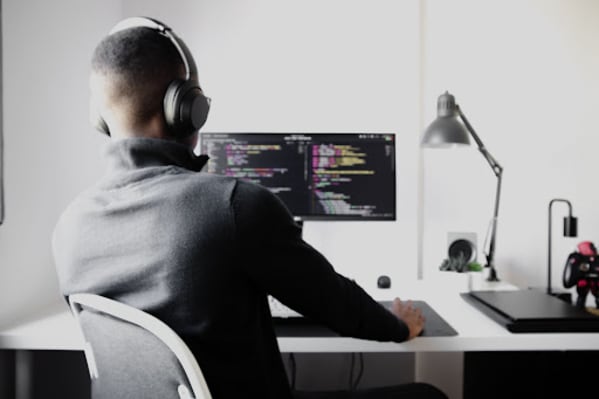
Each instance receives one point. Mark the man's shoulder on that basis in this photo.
(249, 193)
(257, 202)
(80, 201)
(251, 189)
(207, 185)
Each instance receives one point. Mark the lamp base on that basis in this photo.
(557, 292)
(492, 275)
(564, 296)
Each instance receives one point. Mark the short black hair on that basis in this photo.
(140, 63)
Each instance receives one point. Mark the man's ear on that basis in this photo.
(96, 104)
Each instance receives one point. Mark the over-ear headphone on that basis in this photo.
(185, 106)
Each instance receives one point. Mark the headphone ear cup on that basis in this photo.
(196, 108)
(185, 107)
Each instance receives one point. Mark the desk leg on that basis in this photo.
(15, 374)
(23, 374)
(445, 370)
(7, 373)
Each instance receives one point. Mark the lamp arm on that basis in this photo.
(491, 254)
(498, 171)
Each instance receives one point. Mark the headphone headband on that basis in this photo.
(145, 22)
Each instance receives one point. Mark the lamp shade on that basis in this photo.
(570, 226)
(447, 130)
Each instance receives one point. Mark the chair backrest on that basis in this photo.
(132, 354)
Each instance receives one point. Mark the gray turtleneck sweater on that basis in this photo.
(201, 252)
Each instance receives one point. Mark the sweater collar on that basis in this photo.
(137, 153)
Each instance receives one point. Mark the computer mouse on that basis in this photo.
(384, 282)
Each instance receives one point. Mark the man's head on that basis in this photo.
(144, 84)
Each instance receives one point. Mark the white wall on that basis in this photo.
(50, 152)
(316, 66)
(269, 66)
(526, 75)
(524, 72)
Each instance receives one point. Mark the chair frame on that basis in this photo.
(150, 323)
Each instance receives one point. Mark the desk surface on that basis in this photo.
(476, 332)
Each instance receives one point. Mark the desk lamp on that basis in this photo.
(452, 128)
(570, 230)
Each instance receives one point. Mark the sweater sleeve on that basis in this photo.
(286, 267)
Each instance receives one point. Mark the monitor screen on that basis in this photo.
(332, 176)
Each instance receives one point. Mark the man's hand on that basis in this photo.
(410, 315)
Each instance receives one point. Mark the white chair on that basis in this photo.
(131, 354)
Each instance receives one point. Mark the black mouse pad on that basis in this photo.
(435, 325)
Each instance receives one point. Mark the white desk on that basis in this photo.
(56, 330)
(439, 360)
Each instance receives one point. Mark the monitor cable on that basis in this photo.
(353, 383)
(293, 370)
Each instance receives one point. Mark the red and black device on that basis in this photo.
(582, 270)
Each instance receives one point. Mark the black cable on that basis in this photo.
(360, 373)
(351, 371)
(293, 366)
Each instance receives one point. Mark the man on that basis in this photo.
(199, 251)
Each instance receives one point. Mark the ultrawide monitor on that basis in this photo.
(332, 176)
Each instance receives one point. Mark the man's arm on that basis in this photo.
(292, 271)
